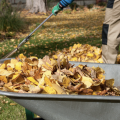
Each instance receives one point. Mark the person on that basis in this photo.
(110, 30)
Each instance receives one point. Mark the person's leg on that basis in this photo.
(111, 31)
(105, 33)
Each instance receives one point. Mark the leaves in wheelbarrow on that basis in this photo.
(55, 76)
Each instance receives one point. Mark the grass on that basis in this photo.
(8, 112)
(57, 33)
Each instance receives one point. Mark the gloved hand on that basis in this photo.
(56, 9)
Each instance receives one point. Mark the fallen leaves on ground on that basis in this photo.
(12, 104)
(54, 76)
(82, 53)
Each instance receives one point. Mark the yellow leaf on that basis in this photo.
(28, 43)
(41, 81)
(14, 78)
(25, 46)
(49, 90)
(49, 65)
(15, 46)
(100, 76)
(14, 61)
(12, 40)
(55, 56)
(6, 73)
(53, 62)
(6, 62)
(66, 82)
(47, 81)
(81, 66)
(98, 70)
(110, 83)
(33, 57)
(32, 80)
(10, 66)
(18, 66)
(17, 78)
(58, 89)
(74, 59)
(21, 56)
(12, 104)
(4, 79)
(90, 55)
(87, 81)
(76, 75)
(10, 89)
(94, 93)
(47, 73)
(100, 60)
(2, 66)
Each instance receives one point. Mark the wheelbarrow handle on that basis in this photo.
(26, 39)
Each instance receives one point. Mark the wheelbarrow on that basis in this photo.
(69, 107)
(73, 107)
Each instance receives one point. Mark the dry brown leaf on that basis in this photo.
(1, 83)
(110, 83)
(66, 81)
(4, 79)
(12, 104)
(34, 89)
(67, 72)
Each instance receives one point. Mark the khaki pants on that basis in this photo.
(111, 32)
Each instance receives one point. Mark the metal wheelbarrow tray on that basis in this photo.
(73, 107)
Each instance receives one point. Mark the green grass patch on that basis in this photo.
(8, 112)
(40, 48)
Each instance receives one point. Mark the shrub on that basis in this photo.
(74, 6)
(90, 6)
(102, 4)
(81, 7)
(10, 19)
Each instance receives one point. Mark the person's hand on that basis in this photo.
(56, 9)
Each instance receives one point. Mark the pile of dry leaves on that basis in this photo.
(81, 53)
(50, 76)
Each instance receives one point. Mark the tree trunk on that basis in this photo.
(36, 6)
(29, 4)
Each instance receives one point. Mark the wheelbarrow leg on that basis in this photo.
(29, 115)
